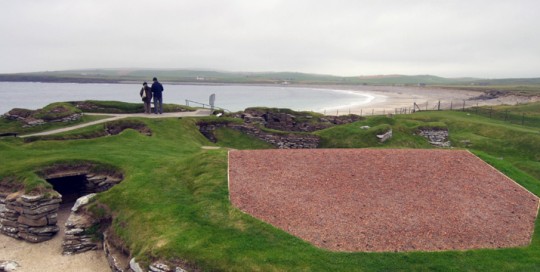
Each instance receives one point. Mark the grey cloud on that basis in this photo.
(447, 38)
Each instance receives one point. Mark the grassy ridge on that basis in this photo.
(174, 199)
(212, 76)
(100, 106)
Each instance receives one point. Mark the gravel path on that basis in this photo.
(383, 200)
(197, 113)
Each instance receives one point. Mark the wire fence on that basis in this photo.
(514, 117)
(511, 116)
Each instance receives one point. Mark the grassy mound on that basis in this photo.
(97, 106)
(14, 120)
(101, 130)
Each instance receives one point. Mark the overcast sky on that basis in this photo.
(492, 38)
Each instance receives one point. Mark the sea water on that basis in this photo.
(34, 95)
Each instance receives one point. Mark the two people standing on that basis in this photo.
(147, 93)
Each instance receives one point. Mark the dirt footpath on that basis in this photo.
(382, 199)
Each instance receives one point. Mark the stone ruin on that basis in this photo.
(279, 140)
(293, 121)
(29, 117)
(293, 126)
(34, 217)
(79, 234)
(436, 136)
(29, 217)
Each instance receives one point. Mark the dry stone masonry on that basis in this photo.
(29, 120)
(294, 126)
(279, 140)
(29, 217)
(293, 121)
(436, 136)
(282, 141)
(33, 218)
(80, 234)
(385, 136)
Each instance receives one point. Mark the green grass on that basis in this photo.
(100, 106)
(18, 127)
(173, 202)
(94, 131)
(523, 114)
(520, 88)
(56, 111)
(353, 136)
(234, 139)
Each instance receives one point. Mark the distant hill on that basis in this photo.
(209, 76)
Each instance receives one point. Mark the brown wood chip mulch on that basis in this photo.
(383, 200)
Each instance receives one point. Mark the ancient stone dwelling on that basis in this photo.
(34, 217)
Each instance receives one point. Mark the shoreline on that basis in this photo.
(388, 99)
(375, 99)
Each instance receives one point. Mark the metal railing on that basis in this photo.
(204, 106)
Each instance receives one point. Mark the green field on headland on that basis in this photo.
(173, 203)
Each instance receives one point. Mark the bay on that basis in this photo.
(34, 95)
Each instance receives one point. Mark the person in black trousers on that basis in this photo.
(157, 90)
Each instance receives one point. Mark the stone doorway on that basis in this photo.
(70, 187)
(35, 218)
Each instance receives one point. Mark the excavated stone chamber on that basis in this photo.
(34, 217)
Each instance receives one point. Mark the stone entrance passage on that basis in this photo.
(34, 218)
(70, 187)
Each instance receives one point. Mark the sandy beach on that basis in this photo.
(388, 99)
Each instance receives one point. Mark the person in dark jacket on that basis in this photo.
(146, 95)
(157, 90)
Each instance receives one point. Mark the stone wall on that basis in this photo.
(294, 125)
(385, 136)
(279, 140)
(26, 116)
(81, 229)
(33, 217)
(29, 217)
(120, 260)
(436, 136)
(282, 141)
(294, 121)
